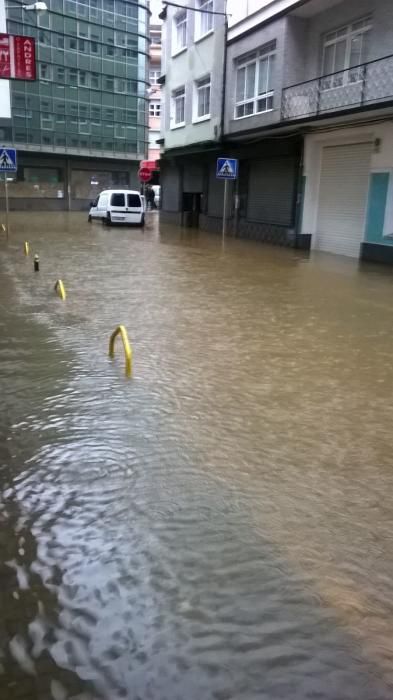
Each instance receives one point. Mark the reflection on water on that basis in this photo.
(219, 527)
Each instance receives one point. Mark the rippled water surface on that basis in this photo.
(219, 527)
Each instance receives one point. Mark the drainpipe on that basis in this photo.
(299, 202)
(224, 75)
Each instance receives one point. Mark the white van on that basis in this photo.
(118, 207)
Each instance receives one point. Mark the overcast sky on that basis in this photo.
(156, 7)
(236, 8)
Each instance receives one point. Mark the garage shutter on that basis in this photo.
(271, 190)
(170, 180)
(193, 178)
(215, 195)
(342, 198)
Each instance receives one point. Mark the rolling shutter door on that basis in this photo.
(271, 190)
(342, 198)
(170, 188)
(193, 178)
(215, 195)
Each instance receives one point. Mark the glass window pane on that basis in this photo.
(250, 80)
(328, 60)
(270, 76)
(133, 200)
(339, 60)
(263, 76)
(117, 200)
(240, 84)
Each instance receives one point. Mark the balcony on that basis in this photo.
(367, 84)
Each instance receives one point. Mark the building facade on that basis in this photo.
(192, 119)
(82, 125)
(308, 104)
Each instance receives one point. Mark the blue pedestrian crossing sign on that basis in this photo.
(227, 168)
(8, 160)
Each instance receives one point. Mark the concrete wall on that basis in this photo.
(276, 31)
(299, 51)
(200, 58)
(345, 13)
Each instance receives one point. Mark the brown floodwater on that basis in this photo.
(220, 526)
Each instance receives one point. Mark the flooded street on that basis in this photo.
(219, 527)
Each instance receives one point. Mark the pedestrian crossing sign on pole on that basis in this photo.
(8, 160)
(227, 168)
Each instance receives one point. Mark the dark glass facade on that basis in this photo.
(89, 98)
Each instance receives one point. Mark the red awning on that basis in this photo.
(149, 164)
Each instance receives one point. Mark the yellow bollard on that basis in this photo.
(120, 330)
(26, 247)
(59, 288)
(3, 228)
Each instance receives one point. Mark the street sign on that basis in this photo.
(17, 57)
(227, 168)
(8, 163)
(145, 174)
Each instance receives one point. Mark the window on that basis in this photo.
(343, 52)
(117, 198)
(109, 84)
(60, 74)
(45, 71)
(44, 37)
(179, 41)
(133, 200)
(178, 107)
(202, 99)
(155, 38)
(95, 81)
(46, 120)
(204, 19)
(82, 77)
(153, 77)
(254, 82)
(120, 131)
(154, 109)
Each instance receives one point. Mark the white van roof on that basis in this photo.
(119, 192)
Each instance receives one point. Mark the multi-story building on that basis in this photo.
(192, 120)
(82, 125)
(154, 92)
(308, 109)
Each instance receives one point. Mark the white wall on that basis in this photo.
(5, 105)
(255, 10)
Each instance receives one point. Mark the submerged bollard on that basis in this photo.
(26, 247)
(36, 263)
(60, 289)
(120, 330)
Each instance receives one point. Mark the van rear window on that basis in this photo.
(134, 200)
(117, 199)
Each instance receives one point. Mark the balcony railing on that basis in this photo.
(369, 83)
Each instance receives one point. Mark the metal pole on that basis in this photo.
(225, 215)
(7, 218)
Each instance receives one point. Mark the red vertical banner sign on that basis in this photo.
(5, 56)
(17, 57)
(24, 56)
